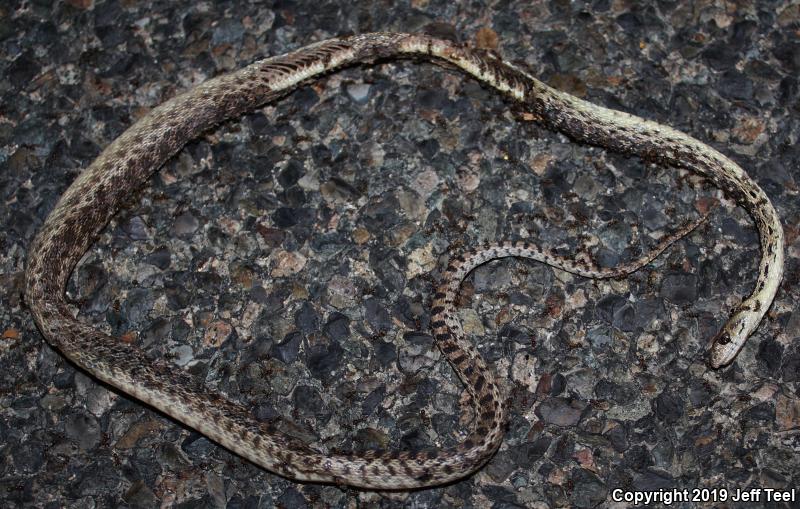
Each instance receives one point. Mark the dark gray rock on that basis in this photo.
(291, 174)
(307, 400)
(619, 438)
(502, 497)
(420, 352)
(622, 394)
(306, 319)
(291, 498)
(287, 350)
(28, 456)
(528, 453)
(500, 466)
(428, 148)
(791, 367)
(160, 257)
(560, 411)
(324, 360)
(771, 353)
(637, 458)
(700, 394)
(509, 332)
(668, 406)
(653, 481)
(135, 228)
(185, 225)
(608, 306)
(337, 327)
(588, 489)
(600, 337)
(377, 316)
(373, 400)
(140, 495)
(679, 288)
(764, 412)
(625, 318)
(385, 352)
(138, 305)
(84, 430)
(736, 85)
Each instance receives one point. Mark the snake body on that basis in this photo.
(125, 165)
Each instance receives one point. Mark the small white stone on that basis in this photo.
(523, 370)
(421, 261)
(286, 263)
(471, 322)
(359, 92)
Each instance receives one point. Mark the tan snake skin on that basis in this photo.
(125, 165)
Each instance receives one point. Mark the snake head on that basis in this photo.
(730, 339)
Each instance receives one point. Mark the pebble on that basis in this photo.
(487, 39)
(421, 261)
(307, 400)
(764, 412)
(600, 337)
(216, 333)
(373, 400)
(470, 322)
(292, 498)
(160, 257)
(787, 412)
(500, 466)
(291, 174)
(185, 225)
(324, 360)
(560, 411)
(227, 31)
(341, 292)
(286, 263)
(385, 352)
(138, 305)
(83, 429)
(419, 352)
(287, 350)
(136, 229)
(588, 489)
(668, 407)
(140, 495)
(619, 438)
(528, 453)
(359, 92)
(586, 187)
(183, 354)
(136, 432)
(306, 319)
(618, 392)
(679, 288)
(376, 315)
(653, 481)
(523, 370)
(337, 327)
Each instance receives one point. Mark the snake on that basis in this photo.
(125, 165)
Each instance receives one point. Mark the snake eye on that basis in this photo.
(723, 339)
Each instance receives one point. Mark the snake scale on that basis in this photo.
(125, 165)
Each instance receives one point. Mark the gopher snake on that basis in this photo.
(125, 165)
